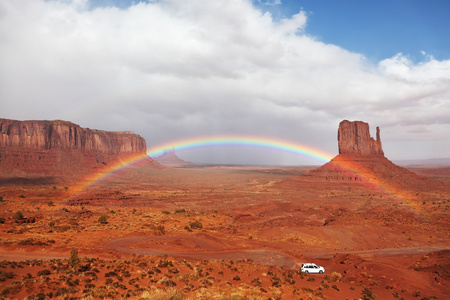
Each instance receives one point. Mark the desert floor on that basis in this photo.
(222, 232)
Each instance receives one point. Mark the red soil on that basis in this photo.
(247, 227)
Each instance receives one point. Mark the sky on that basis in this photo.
(290, 70)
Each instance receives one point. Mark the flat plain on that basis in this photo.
(222, 232)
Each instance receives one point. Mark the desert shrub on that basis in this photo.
(1, 199)
(21, 196)
(102, 220)
(40, 296)
(112, 273)
(367, 294)
(167, 282)
(335, 287)
(63, 228)
(159, 229)
(2, 221)
(44, 272)
(336, 276)
(196, 224)
(5, 275)
(166, 212)
(164, 263)
(52, 224)
(50, 203)
(178, 211)
(18, 215)
(25, 242)
(169, 294)
(74, 260)
(89, 286)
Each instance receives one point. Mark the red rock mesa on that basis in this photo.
(61, 147)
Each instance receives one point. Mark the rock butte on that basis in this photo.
(62, 148)
(361, 158)
(354, 138)
(170, 159)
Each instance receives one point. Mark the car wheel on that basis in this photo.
(320, 271)
(306, 271)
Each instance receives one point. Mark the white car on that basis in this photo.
(312, 268)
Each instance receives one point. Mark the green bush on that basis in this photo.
(102, 220)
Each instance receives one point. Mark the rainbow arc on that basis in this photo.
(241, 141)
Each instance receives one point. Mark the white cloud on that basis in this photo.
(174, 68)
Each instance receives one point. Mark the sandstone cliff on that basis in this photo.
(361, 159)
(354, 138)
(63, 135)
(61, 147)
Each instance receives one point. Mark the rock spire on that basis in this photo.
(354, 138)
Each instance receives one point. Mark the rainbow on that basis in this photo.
(242, 141)
(107, 172)
(201, 142)
(247, 141)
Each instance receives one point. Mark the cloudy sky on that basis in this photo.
(292, 70)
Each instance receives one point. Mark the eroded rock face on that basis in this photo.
(63, 135)
(354, 138)
(361, 159)
(61, 147)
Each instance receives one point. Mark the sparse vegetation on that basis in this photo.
(18, 215)
(74, 260)
(196, 224)
(102, 219)
(367, 294)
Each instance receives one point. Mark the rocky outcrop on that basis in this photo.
(61, 147)
(170, 159)
(354, 138)
(63, 135)
(361, 159)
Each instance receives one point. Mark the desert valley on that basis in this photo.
(86, 214)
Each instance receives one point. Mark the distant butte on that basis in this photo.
(170, 159)
(361, 158)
